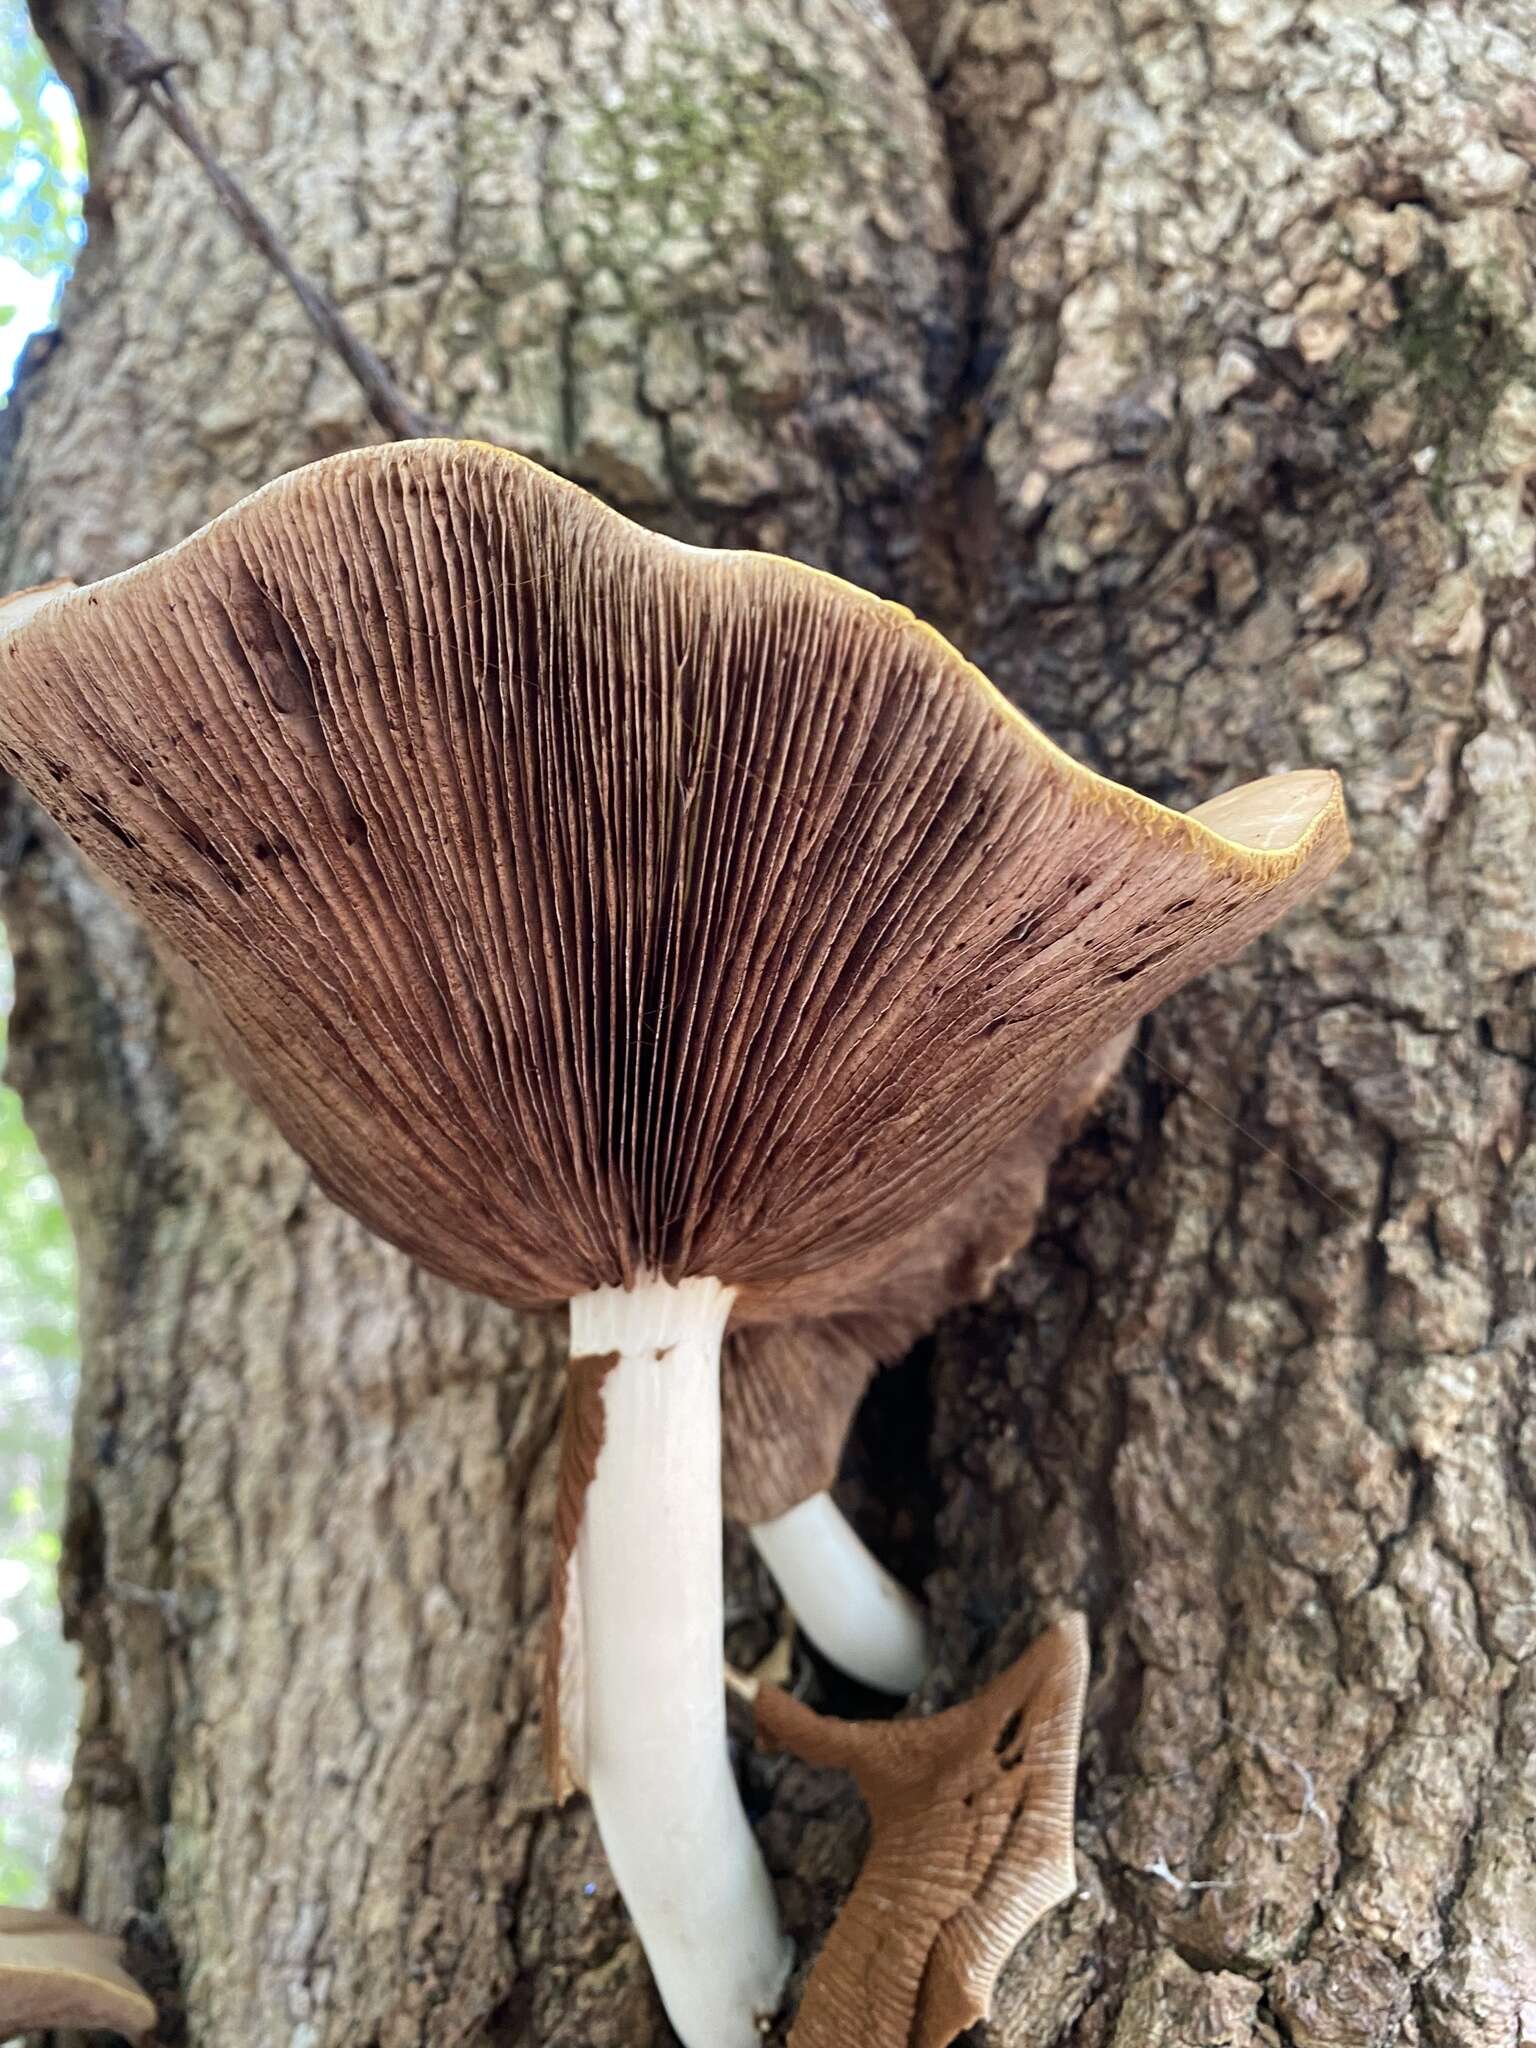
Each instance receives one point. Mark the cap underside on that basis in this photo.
(584, 906)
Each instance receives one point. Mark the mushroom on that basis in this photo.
(56, 1973)
(617, 923)
(789, 1391)
(970, 1817)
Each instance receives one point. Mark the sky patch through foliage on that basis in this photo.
(42, 183)
(42, 180)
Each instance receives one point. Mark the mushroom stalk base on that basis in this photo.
(845, 1599)
(648, 1561)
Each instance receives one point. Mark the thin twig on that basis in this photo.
(1243, 1131)
(150, 78)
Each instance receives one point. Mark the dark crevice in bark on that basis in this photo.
(953, 531)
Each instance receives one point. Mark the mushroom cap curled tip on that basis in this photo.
(583, 905)
(56, 1973)
(971, 1841)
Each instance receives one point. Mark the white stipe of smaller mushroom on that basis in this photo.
(651, 1575)
(844, 1598)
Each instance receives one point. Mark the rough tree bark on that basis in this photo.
(1179, 357)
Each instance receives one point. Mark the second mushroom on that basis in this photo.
(790, 1388)
(615, 923)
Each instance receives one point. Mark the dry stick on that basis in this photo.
(1243, 1131)
(134, 64)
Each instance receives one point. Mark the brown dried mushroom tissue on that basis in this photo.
(679, 935)
(970, 1842)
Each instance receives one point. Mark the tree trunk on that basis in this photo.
(1179, 358)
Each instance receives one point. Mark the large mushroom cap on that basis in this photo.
(585, 905)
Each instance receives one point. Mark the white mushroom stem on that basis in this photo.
(650, 1575)
(844, 1598)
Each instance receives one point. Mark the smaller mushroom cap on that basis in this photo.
(54, 1972)
(789, 1389)
(971, 1826)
